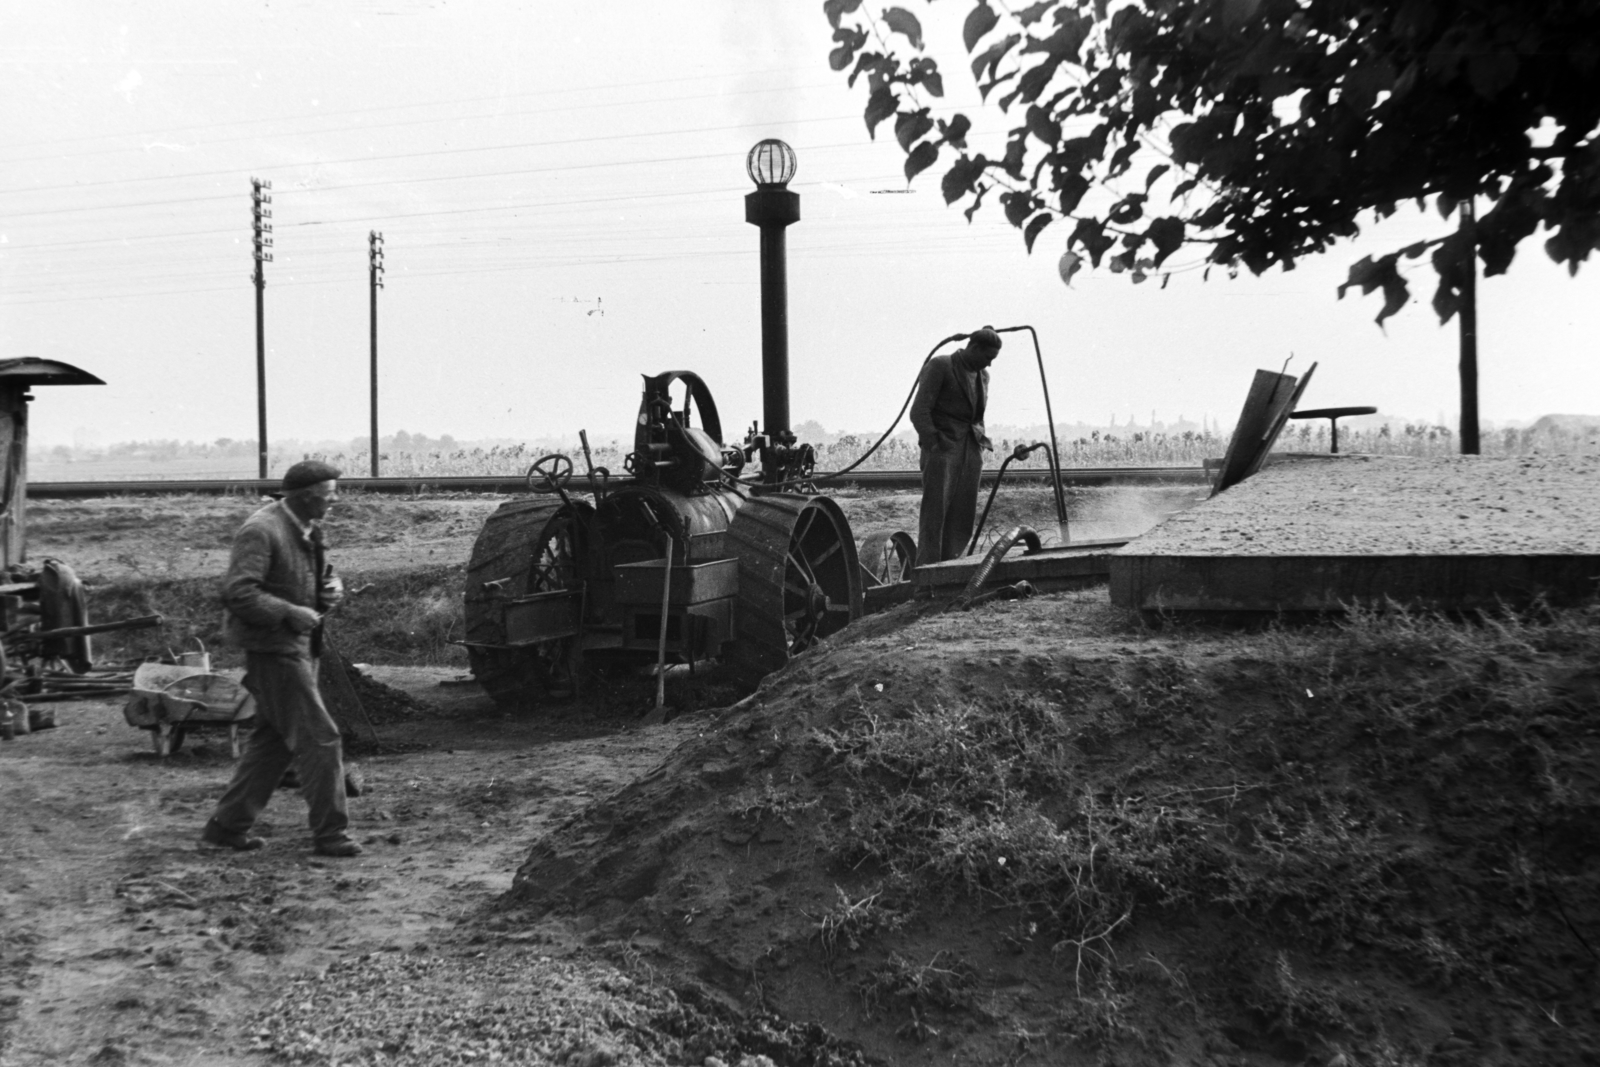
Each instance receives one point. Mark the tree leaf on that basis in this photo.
(850, 41)
(955, 131)
(880, 105)
(1122, 159)
(910, 126)
(920, 159)
(1072, 188)
(1381, 273)
(1184, 186)
(1129, 209)
(989, 59)
(1016, 150)
(980, 20)
(1029, 15)
(1032, 83)
(1166, 234)
(1070, 264)
(904, 22)
(1091, 233)
(1155, 172)
(869, 64)
(1040, 221)
(961, 177)
(835, 9)
(1018, 207)
(1042, 126)
(925, 72)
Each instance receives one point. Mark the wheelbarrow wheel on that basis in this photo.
(166, 745)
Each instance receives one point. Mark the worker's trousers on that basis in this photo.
(949, 499)
(292, 727)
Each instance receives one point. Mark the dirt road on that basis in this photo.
(123, 942)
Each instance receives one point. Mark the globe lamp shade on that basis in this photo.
(771, 164)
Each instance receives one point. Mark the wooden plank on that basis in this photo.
(1272, 398)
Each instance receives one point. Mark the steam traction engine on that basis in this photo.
(687, 560)
(742, 570)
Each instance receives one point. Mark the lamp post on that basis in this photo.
(771, 165)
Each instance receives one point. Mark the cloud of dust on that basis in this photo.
(1127, 512)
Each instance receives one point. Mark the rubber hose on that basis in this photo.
(996, 553)
(863, 457)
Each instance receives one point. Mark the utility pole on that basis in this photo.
(374, 283)
(259, 199)
(1469, 327)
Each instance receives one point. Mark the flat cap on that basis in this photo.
(308, 472)
(985, 338)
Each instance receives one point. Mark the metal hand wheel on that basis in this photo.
(554, 472)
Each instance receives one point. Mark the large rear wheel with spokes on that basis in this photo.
(527, 546)
(799, 576)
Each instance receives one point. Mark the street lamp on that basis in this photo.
(771, 165)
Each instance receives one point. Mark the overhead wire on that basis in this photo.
(381, 126)
(402, 107)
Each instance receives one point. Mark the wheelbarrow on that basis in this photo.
(173, 699)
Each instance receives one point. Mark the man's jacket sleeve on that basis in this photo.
(244, 589)
(929, 383)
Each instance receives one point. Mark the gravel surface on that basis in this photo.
(495, 1006)
(1395, 505)
(489, 1002)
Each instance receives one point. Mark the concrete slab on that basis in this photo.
(1312, 535)
(1057, 568)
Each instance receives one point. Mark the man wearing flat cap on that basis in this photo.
(952, 392)
(277, 588)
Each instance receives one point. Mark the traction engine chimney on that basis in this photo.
(771, 165)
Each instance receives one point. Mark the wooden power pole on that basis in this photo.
(374, 283)
(260, 212)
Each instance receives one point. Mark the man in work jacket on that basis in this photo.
(277, 587)
(952, 393)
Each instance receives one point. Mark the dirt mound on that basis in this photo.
(1045, 828)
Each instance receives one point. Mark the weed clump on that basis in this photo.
(1398, 783)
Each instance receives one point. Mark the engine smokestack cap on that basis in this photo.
(984, 338)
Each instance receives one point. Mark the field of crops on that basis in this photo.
(1098, 449)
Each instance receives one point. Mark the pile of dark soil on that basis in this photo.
(1045, 829)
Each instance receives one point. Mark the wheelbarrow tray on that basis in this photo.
(188, 697)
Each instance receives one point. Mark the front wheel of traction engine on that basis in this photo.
(527, 546)
(799, 576)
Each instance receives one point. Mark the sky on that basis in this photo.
(559, 188)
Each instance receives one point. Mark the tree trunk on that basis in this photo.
(1469, 330)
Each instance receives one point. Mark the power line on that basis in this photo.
(521, 172)
(233, 171)
(393, 125)
(403, 107)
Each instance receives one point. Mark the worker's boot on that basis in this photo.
(340, 846)
(214, 836)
